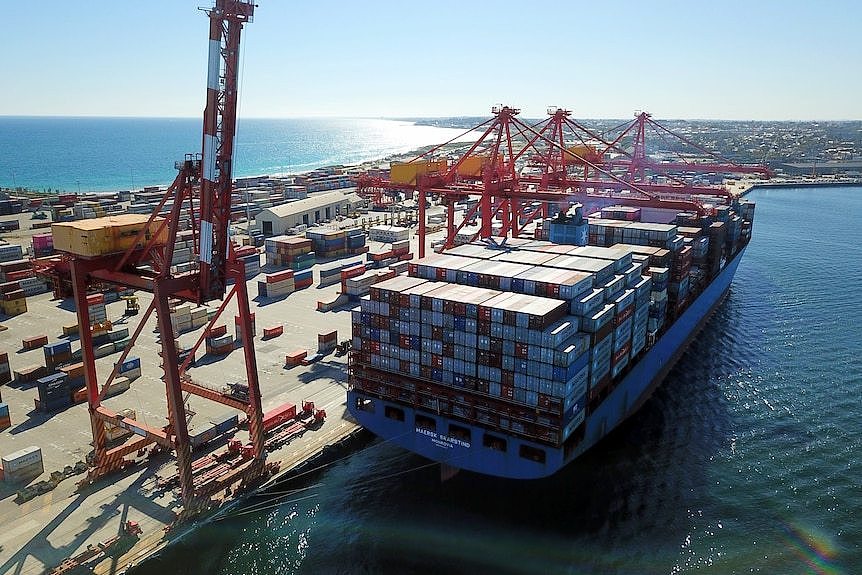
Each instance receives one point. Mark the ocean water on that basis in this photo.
(747, 460)
(99, 154)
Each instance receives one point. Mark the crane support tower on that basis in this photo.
(201, 196)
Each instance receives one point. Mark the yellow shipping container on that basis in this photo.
(472, 166)
(14, 307)
(407, 172)
(100, 236)
(577, 153)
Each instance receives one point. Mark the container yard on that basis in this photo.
(40, 531)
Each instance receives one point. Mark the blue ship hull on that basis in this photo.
(628, 395)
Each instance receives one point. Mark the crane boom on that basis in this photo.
(219, 129)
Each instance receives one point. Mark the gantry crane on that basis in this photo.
(514, 164)
(146, 265)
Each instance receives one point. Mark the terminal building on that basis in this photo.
(824, 167)
(278, 220)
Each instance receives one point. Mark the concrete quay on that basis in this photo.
(39, 534)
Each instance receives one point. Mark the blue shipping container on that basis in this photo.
(57, 348)
(130, 364)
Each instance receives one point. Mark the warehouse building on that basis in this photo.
(279, 219)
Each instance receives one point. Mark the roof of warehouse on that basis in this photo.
(311, 203)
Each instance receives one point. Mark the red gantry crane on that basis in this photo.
(513, 165)
(206, 180)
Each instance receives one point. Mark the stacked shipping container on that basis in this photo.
(289, 252)
(13, 300)
(328, 243)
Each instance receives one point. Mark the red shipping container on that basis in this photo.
(279, 277)
(273, 331)
(243, 251)
(507, 391)
(352, 271)
(34, 342)
(19, 275)
(217, 331)
(279, 415)
(9, 287)
(95, 299)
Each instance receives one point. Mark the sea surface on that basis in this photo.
(104, 154)
(747, 460)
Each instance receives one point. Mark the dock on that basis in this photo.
(38, 534)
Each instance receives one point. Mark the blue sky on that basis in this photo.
(678, 59)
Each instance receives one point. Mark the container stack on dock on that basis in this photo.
(303, 279)
(22, 465)
(130, 368)
(348, 272)
(11, 206)
(96, 309)
(275, 285)
(77, 384)
(326, 342)
(237, 322)
(388, 234)
(5, 368)
(13, 301)
(332, 273)
(399, 251)
(43, 245)
(357, 286)
(355, 242)
(218, 342)
(250, 257)
(57, 354)
(188, 317)
(10, 252)
(183, 259)
(55, 392)
(328, 243)
(15, 270)
(5, 417)
(289, 252)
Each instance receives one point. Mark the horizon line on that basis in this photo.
(401, 118)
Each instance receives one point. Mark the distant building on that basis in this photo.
(825, 167)
(277, 220)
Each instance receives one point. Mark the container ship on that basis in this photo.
(512, 358)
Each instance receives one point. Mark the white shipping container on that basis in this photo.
(21, 458)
